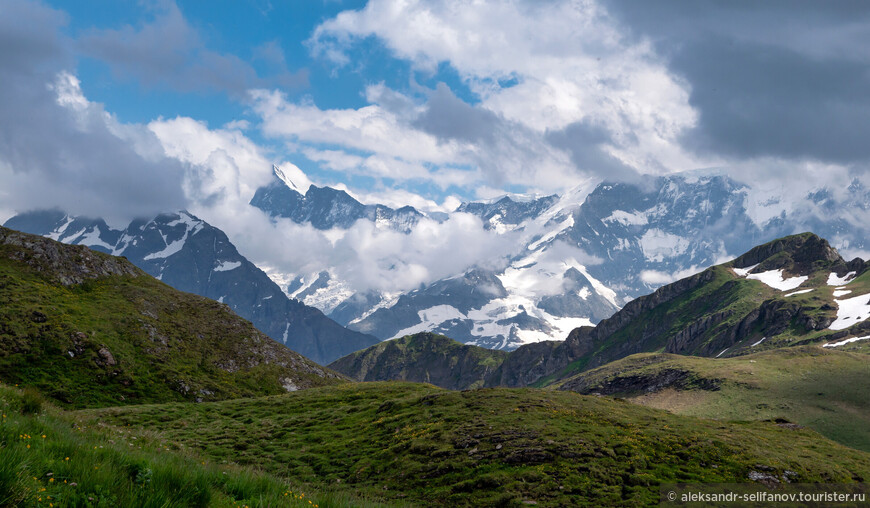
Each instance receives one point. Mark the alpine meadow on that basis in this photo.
(413, 253)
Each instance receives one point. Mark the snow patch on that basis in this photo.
(743, 272)
(431, 318)
(835, 280)
(841, 292)
(60, 230)
(193, 227)
(759, 342)
(92, 239)
(658, 245)
(774, 279)
(844, 342)
(851, 311)
(170, 249)
(567, 223)
(226, 266)
(802, 291)
(627, 218)
(600, 288)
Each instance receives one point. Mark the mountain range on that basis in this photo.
(793, 291)
(780, 332)
(580, 257)
(90, 329)
(185, 378)
(606, 246)
(191, 255)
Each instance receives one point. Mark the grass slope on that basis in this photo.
(47, 459)
(425, 358)
(492, 447)
(820, 388)
(721, 313)
(89, 329)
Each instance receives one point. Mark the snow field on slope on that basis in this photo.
(844, 342)
(835, 280)
(851, 311)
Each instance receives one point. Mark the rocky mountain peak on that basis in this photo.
(795, 254)
(68, 265)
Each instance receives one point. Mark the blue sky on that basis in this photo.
(123, 108)
(269, 39)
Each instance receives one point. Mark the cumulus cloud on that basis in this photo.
(768, 79)
(226, 167)
(547, 66)
(227, 164)
(57, 149)
(169, 52)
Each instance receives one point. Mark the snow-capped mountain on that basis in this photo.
(671, 227)
(588, 253)
(579, 258)
(191, 255)
(508, 212)
(325, 207)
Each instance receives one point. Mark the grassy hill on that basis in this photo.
(421, 445)
(820, 388)
(89, 329)
(48, 459)
(425, 358)
(785, 293)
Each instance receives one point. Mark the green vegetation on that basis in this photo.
(720, 313)
(820, 388)
(121, 338)
(423, 445)
(425, 358)
(47, 459)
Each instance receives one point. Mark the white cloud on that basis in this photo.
(397, 198)
(659, 278)
(372, 129)
(57, 148)
(226, 168)
(227, 165)
(567, 61)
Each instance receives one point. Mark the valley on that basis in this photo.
(211, 402)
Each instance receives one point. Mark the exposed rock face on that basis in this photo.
(67, 266)
(327, 208)
(424, 358)
(530, 363)
(640, 383)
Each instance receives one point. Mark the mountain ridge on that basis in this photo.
(89, 328)
(191, 255)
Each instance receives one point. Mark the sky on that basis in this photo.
(121, 108)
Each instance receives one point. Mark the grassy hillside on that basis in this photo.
(726, 310)
(88, 329)
(820, 388)
(425, 358)
(427, 446)
(47, 459)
